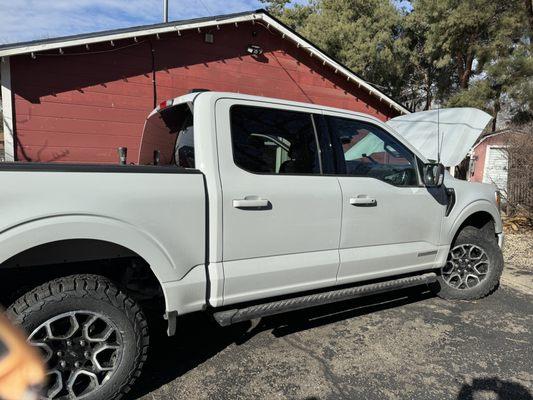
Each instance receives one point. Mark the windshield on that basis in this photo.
(168, 136)
(368, 145)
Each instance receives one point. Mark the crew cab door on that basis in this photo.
(281, 216)
(391, 223)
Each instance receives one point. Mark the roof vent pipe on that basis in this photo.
(165, 10)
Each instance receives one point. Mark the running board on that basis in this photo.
(228, 317)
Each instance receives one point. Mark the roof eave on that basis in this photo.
(66, 42)
(338, 68)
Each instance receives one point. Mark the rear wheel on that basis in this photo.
(473, 267)
(93, 337)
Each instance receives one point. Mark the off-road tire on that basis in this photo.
(486, 241)
(98, 294)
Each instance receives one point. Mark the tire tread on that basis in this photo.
(473, 235)
(89, 286)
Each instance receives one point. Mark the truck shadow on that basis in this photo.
(199, 338)
(503, 390)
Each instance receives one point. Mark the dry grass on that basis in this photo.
(517, 223)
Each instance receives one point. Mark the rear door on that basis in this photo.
(391, 223)
(281, 215)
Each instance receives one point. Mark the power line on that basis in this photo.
(207, 7)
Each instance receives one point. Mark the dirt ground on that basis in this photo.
(518, 253)
(404, 345)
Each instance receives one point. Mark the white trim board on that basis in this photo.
(178, 27)
(105, 37)
(7, 110)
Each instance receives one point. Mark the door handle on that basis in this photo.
(251, 203)
(363, 201)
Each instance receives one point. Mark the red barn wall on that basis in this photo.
(82, 105)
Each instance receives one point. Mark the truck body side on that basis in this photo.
(175, 218)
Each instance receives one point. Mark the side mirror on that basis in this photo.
(433, 175)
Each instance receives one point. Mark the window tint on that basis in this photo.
(367, 150)
(184, 154)
(267, 140)
(161, 131)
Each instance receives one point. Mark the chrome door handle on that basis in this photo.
(363, 201)
(251, 203)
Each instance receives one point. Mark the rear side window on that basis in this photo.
(365, 149)
(273, 141)
(184, 155)
(168, 138)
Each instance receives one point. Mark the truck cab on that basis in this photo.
(305, 197)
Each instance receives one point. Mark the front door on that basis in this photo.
(391, 223)
(281, 215)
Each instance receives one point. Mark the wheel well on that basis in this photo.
(43, 263)
(481, 220)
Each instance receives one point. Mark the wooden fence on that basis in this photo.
(520, 174)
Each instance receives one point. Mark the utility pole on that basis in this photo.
(165, 10)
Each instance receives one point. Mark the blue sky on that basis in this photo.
(22, 20)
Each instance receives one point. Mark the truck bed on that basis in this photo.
(148, 209)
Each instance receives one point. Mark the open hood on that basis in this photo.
(459, 129)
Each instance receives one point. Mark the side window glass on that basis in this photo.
(273, 141)
(184, 154)
(168, 138)
(367, 150)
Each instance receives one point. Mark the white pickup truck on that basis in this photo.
(241, 207)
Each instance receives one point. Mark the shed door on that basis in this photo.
(496, 167)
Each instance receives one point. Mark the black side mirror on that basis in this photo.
(433, 175)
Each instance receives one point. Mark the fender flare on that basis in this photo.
(50, 229)
(472, 208)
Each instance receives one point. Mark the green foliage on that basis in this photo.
(507, 83)
(293, 15)
(459, 53)
(363, 34)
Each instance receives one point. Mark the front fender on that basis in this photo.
(80, 226)
(460, 217)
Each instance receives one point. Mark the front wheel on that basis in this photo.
(473, 267)
(93, 337)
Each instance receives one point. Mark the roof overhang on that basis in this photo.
(178, 26)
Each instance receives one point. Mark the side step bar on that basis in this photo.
(228, 317)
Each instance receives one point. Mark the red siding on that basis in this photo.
(80, 108)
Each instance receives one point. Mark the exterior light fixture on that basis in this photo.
(254, 50)
(209, 38)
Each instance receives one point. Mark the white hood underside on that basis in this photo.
(459, 129)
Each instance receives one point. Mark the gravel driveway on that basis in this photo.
(404, 345)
